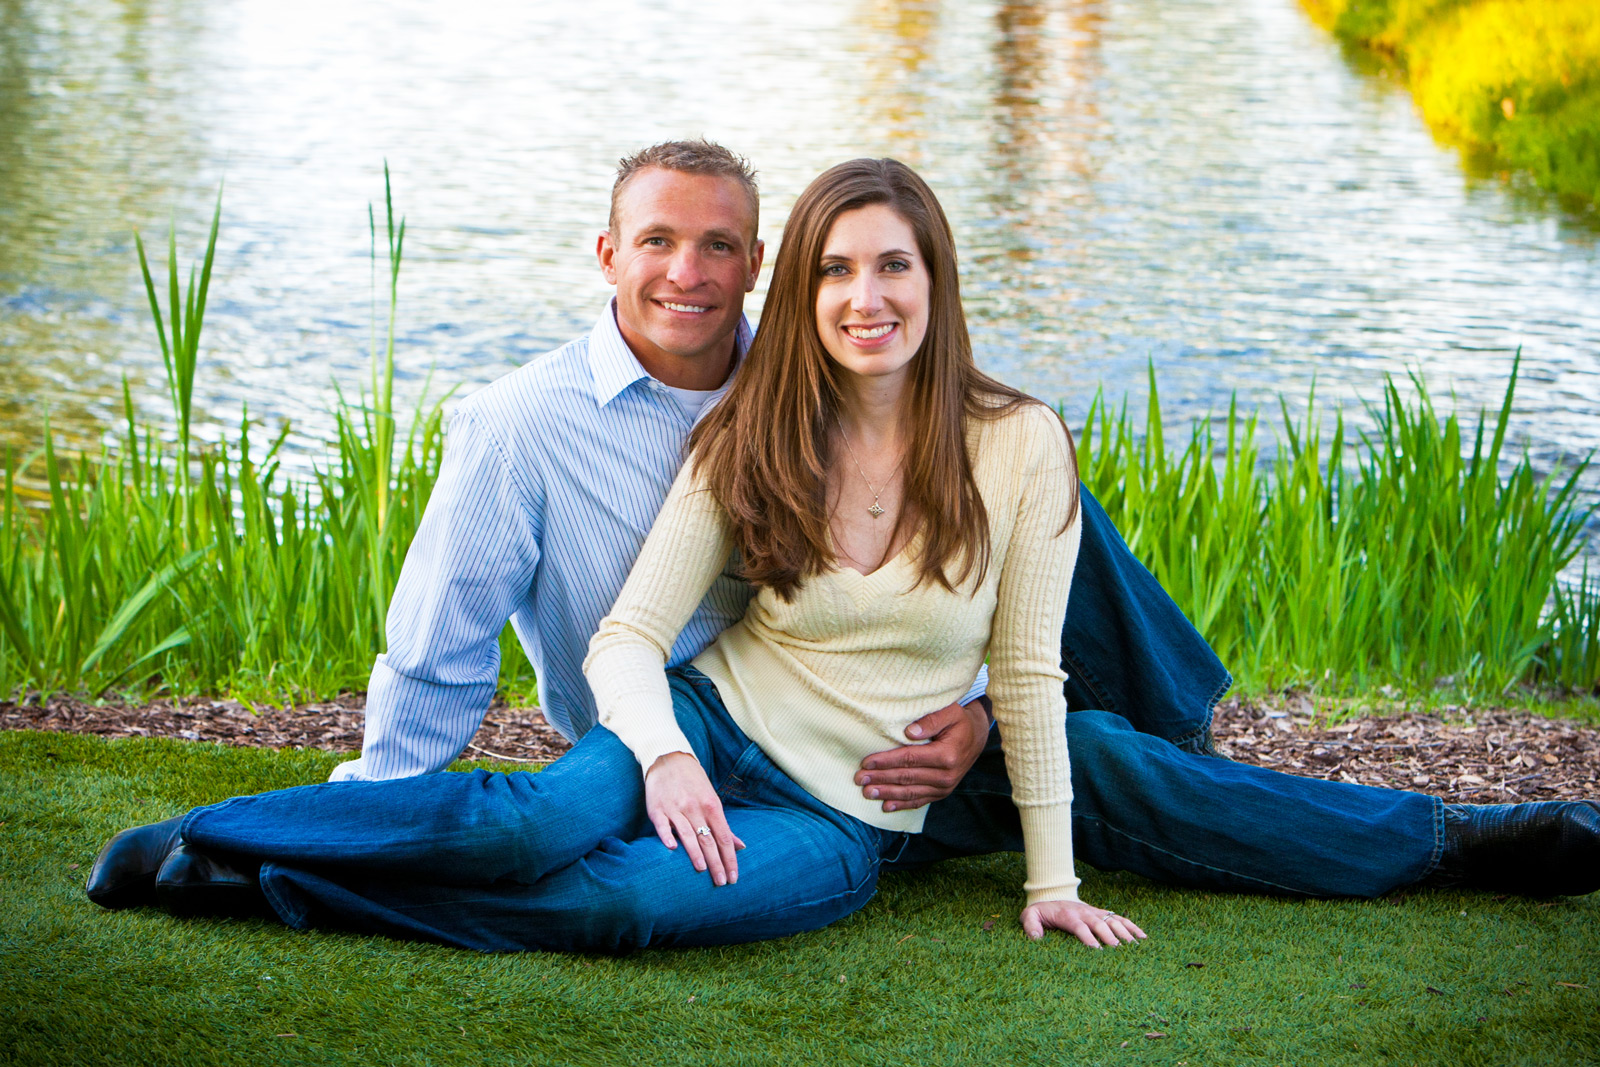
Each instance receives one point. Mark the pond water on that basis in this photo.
(1211, 185)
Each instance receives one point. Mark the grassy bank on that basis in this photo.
(1516, 78)
(1414, 554)
(933, 971)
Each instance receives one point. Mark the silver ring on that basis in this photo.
(703, 831)
(1109, 915)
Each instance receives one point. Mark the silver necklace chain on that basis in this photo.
(876, 509)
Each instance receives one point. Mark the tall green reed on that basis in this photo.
(205, 568)
(1402, 559)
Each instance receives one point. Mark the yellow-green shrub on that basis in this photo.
(1519, 77)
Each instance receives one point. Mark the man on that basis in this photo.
(551, 481)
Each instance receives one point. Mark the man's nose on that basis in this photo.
(684, 270)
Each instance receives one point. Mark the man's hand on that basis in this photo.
(914, 775)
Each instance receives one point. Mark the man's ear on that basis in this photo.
(755, 265)
(606, 253)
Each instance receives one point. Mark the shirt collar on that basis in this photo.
(615, 367)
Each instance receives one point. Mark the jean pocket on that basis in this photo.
(891, 845)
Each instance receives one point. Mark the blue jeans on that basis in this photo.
(1141, 804)
(564, 859)
(1127, 648)
(1141, 687)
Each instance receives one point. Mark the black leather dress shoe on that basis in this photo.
(193, 882)
(1542, 849)
(124, 874)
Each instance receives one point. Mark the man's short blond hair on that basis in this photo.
(688, 157)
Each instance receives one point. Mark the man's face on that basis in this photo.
(684, 256)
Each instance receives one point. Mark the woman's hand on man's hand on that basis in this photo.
(1091, 925)
(684, 807)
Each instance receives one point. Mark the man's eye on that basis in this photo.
(657, 241)
(721, 246)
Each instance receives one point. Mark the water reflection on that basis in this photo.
(1205, 183)
(81, 105)
(905, 34)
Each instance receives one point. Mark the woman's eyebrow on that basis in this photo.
(881, 255)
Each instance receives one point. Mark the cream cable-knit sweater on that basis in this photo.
(841, 670)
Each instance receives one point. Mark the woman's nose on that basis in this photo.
(864, 295)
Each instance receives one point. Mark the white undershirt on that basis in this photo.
(694, 401)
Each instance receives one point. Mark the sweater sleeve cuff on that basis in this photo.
(1047, 840)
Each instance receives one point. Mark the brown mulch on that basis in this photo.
(1482, 757)
(518, 735)
(1470, 755)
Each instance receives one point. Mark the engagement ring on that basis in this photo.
(703, 831)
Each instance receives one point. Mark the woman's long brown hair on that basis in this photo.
(765, 450)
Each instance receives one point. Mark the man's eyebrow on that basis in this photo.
(661, 229)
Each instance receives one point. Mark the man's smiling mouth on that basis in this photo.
(690, 308)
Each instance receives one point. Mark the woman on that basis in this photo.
(900, 514)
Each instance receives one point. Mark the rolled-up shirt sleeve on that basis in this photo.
(474, 556)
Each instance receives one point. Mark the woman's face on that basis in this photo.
(872, 301)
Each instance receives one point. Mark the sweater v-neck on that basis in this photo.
(843, 568)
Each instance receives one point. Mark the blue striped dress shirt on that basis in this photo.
(551, 481)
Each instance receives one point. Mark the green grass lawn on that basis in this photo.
(933, 971)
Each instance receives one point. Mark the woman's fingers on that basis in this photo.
(1093, 926)
(727, 844)
(1127, 929)
(663, 827)
(713, 851)
(682, 823)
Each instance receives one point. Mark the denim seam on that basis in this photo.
(869, 878)
(741, 766)
(1086, 676)
(1193, 863)
(1438, 840)
(905, 839)
(433, 905)
(1202, 733)
(188, 821)
(294, 918)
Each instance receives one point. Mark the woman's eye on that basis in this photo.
(833, 270)
(895, 266)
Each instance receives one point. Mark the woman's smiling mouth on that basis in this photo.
(870, 333)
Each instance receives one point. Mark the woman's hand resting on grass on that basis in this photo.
(1091, 925)
(681, 801)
